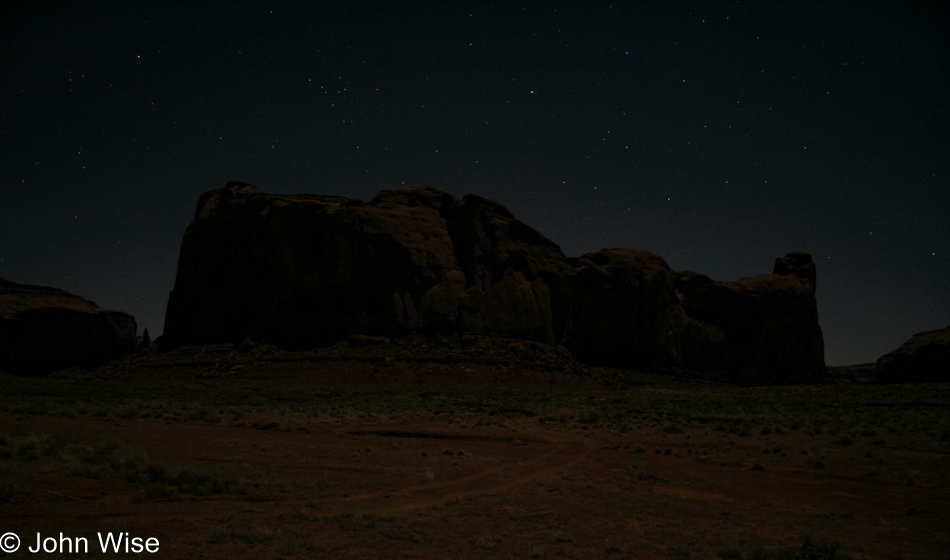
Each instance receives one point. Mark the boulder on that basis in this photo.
(46, 329)
(925, 358)
(299, 271)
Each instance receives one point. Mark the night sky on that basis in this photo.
(719, 135)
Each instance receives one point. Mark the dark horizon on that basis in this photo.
(718, 136)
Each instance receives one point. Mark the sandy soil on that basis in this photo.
(350, 459)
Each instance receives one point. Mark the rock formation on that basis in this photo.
(755, 330)
(297, 270)
(623, 310)
(45, 329)
(925, 358)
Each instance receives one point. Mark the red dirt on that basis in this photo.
(449, 486)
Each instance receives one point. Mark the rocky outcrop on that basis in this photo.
(300, 270)
(925, 358)
(754, 330)
(45, 329)
(623, 310)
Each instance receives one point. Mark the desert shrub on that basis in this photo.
(681, 553)
(26, 446)
(615, 545)
(153, 492)
(731, 553)
(65, 412)
(299, 512)
(356, 520)
(818, 550)
(129, 412)
(404, 530)
(486, 541)
(292, 545)
(113, 456)
(202, 484)
(238, 531)
(811, 549)
(6, 493)
(535, 552)
(673, 428)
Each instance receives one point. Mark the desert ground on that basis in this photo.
(219, 452)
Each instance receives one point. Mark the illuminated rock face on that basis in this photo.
(925, 358)
(300, 270)
(45, 329)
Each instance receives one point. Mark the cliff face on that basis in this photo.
(45, 329)
(295, 270)
(755, 330)
(623, 310)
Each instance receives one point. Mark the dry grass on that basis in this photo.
(636, 471)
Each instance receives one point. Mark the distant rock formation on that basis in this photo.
(925, 358)
(296, 270)
(45, 329)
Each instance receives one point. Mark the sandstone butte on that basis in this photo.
(299, 271)
(46, 329)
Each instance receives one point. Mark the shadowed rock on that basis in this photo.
(925, 358)
(762, 329)
(623, 310)
(45, 329)
(300, 270)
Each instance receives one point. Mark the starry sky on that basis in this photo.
(719, 135)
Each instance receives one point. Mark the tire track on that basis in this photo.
(564, 451)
